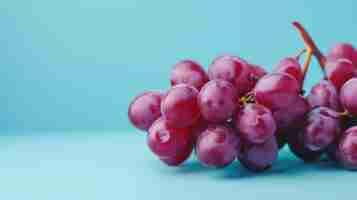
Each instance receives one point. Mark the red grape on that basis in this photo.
(342, 50)
(179, 159)
(348, 96)
(295, 141)
(145, 109)
(217, 100)
(258, 157)
(179, 107)
(339, 71)
(216, 146)
(170, 144)
(232, 69)
(348, 149)
(255, 123)
(190, 73)
(255, 73)
(290, 66)
(324, 94)
(276, 90)
(321, 128)
(286, 116)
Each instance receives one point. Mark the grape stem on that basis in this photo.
(310, 48)
(300, 53)
(344, 113)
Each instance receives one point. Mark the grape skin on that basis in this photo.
(217, 100)
(255, 123)
(190, 73)
(348, 96)
(144, 110)
(216, 146)
(171, 145)
(179, 106)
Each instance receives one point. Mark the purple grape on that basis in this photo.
(255, 123)
(295, 140)
(217, 100)
(258, 157)
(144, 110)
(321, 128)
(348, 149)
(171, 145)
(324, 94)
(216, 146)
(348, 96)
(286, 116)
(339, 71)
(179, 107)
(232, 69)
(290, 66)
(190, 73)
(342, 50)
(276, 90)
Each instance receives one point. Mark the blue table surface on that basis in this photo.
(118, 165)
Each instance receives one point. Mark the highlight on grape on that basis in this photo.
(237, 111)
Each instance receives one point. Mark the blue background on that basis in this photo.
(68, 70)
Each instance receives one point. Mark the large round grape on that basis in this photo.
(232, 69)
(288, 115)
(348, 149)
(348, 96)
(290, 66)
(343, 50)
(321, 128)
(295, 140)
(255, 123)
(217, 100)
(190, 73)
(276, 90)
(217, 146)
(258, 157)
(339, 71)
(145, 109)
(179, 106)
(172, 145)
(324, 94)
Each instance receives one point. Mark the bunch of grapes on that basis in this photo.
(238, 111)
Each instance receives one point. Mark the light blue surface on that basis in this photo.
(119, 166)
(75, 64)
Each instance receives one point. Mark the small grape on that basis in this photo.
(190, 73)
(296, 145)
(286, 116)
(290, 66)
(348, 96)
(145, 109)
(339, 72)
(348, 149)
(342, 50)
